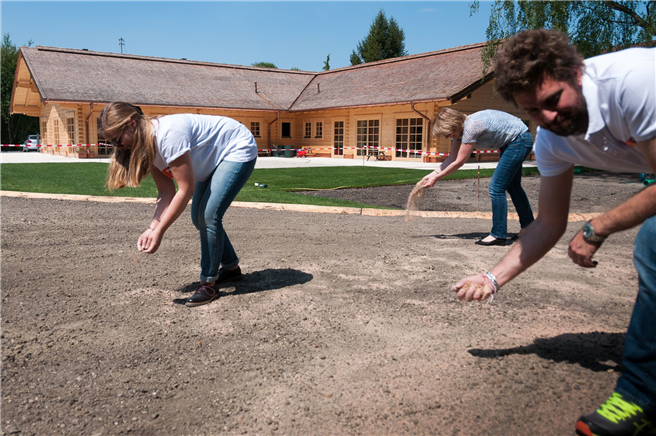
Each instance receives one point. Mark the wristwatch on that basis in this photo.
(589, 234)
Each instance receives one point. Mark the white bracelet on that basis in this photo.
(493, 281)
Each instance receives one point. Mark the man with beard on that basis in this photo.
(599, 113)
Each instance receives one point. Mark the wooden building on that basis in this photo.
(341, 113)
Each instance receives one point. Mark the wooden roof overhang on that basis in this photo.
(25, 96)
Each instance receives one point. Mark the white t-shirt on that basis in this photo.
(209, 139)
(620, 94)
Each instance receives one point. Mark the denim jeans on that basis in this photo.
(212, 198)
(508, 178)
(638, 380)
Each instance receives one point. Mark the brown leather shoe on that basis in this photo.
(203, 295)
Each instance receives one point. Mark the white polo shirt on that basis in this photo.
(210, 140)
(620, 94)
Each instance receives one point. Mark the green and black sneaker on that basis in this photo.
(616, 417)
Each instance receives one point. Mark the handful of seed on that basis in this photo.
(485, 291)
(414, 200)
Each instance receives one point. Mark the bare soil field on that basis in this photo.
(343, 325)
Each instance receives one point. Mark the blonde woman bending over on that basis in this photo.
(489, 129)
(209, 157)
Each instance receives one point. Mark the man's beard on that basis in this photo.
(572, 122)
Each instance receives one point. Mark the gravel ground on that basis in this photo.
(344, 324)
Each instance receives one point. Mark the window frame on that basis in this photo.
(365, 140)
(256, 128)
(337, 149)
(70, 129)
(413, 128)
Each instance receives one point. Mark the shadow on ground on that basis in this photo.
(590, 350)
(258, 281)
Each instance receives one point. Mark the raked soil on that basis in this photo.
(343, 325)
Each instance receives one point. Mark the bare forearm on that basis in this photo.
(171, 210)
(445, 170)
(629, 214)
(163, 203)
(535, 242)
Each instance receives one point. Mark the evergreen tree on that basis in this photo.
(594, 27)
(13, 128)
(326, 64)
(385, 40)
(264, 65)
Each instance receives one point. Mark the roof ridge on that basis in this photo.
(246, 67)
(407, 58)
(86, 52)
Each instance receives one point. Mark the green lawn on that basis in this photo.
(89, 179)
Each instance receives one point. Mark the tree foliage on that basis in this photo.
(326, 63)
(385, 40)
(594, 27)
(264, 65)
(13, 128)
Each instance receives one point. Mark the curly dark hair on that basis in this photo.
(527, 58)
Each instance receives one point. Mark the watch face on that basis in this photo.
(587, 230)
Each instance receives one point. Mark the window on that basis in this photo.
(255, 128)
(308, 130)
(338, 138)
(409, 136)
(286, 130)
(70, 129)
(103, 148)
(55, 130)
(318, 130)
(368, 136)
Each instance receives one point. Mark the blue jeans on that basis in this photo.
(508, 178)
(212, 198)
(638, 380)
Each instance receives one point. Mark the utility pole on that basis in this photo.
(121, 42)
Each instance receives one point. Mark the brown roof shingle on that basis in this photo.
(430, 76)
(87, 76)
(78, 75)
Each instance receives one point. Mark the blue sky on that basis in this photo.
(289, 34)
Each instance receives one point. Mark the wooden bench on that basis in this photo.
(378, 154)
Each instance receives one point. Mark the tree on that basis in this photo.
(264, 65)
(385, 40)
(594, 27)
(13, 128)
(326, 64)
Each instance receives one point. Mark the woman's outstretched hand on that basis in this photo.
(149, 241)
(472, 288)
(429, 180)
